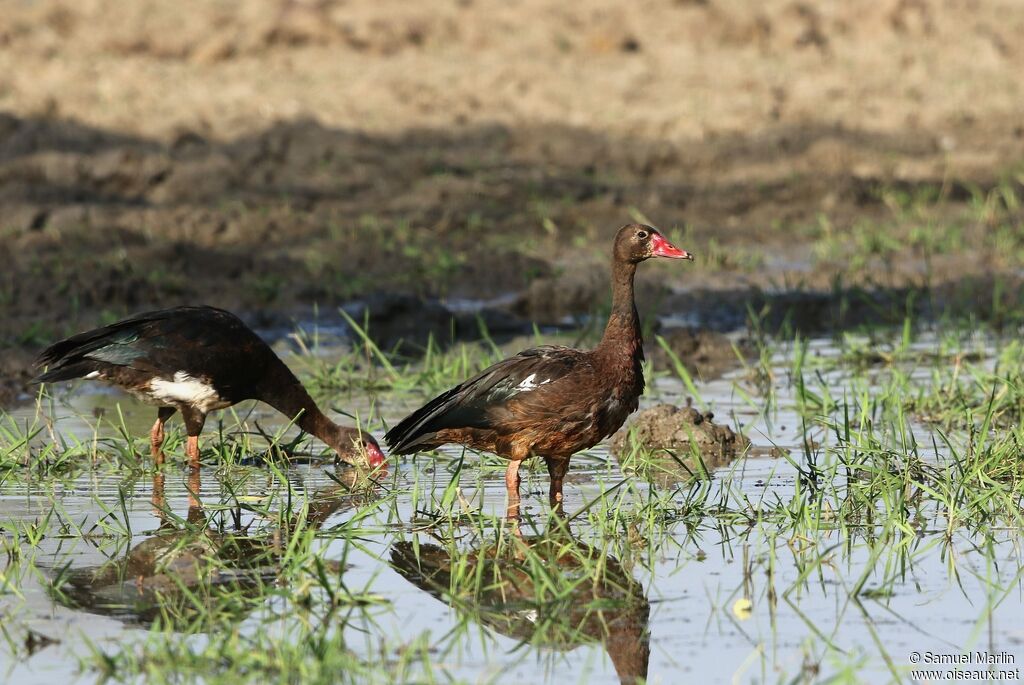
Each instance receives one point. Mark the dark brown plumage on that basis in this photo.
(548, 401)
(195, 360)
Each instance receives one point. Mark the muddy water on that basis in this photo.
(677, 616)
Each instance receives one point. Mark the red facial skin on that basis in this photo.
(374, 454)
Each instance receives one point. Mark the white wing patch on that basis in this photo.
(185, 389)
(91, 375)
(529, 383)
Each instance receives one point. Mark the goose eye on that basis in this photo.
(641, 234)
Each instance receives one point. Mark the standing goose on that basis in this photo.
(548, 401)
(195, 360)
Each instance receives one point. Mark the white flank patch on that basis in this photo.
(91, 375)
(528, 383)
(185, 389)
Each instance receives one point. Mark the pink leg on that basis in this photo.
(192, 451)
(156, 442)
(512, 488)
(156, 435)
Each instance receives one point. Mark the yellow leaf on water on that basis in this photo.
(741, 608)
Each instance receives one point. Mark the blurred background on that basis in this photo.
(831, 164)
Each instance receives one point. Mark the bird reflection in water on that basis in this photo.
(188, 568)
(550, 591)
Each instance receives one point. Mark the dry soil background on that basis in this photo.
(270, 155)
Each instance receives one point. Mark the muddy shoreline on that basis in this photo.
(705, 329)
(280, 159)
(292, 223)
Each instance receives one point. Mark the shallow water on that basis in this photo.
(681, 591)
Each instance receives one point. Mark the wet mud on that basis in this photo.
(284, 224)
(674, 444)
(706, 354)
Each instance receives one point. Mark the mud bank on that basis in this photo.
(279, 160)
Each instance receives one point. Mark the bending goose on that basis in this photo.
(195, 360)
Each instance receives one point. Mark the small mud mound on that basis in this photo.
(679, 430)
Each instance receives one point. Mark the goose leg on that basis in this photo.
(512, 488)
(192, 451)
(557, 468)
(512, 477)
(156, 435)
(194, 421)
